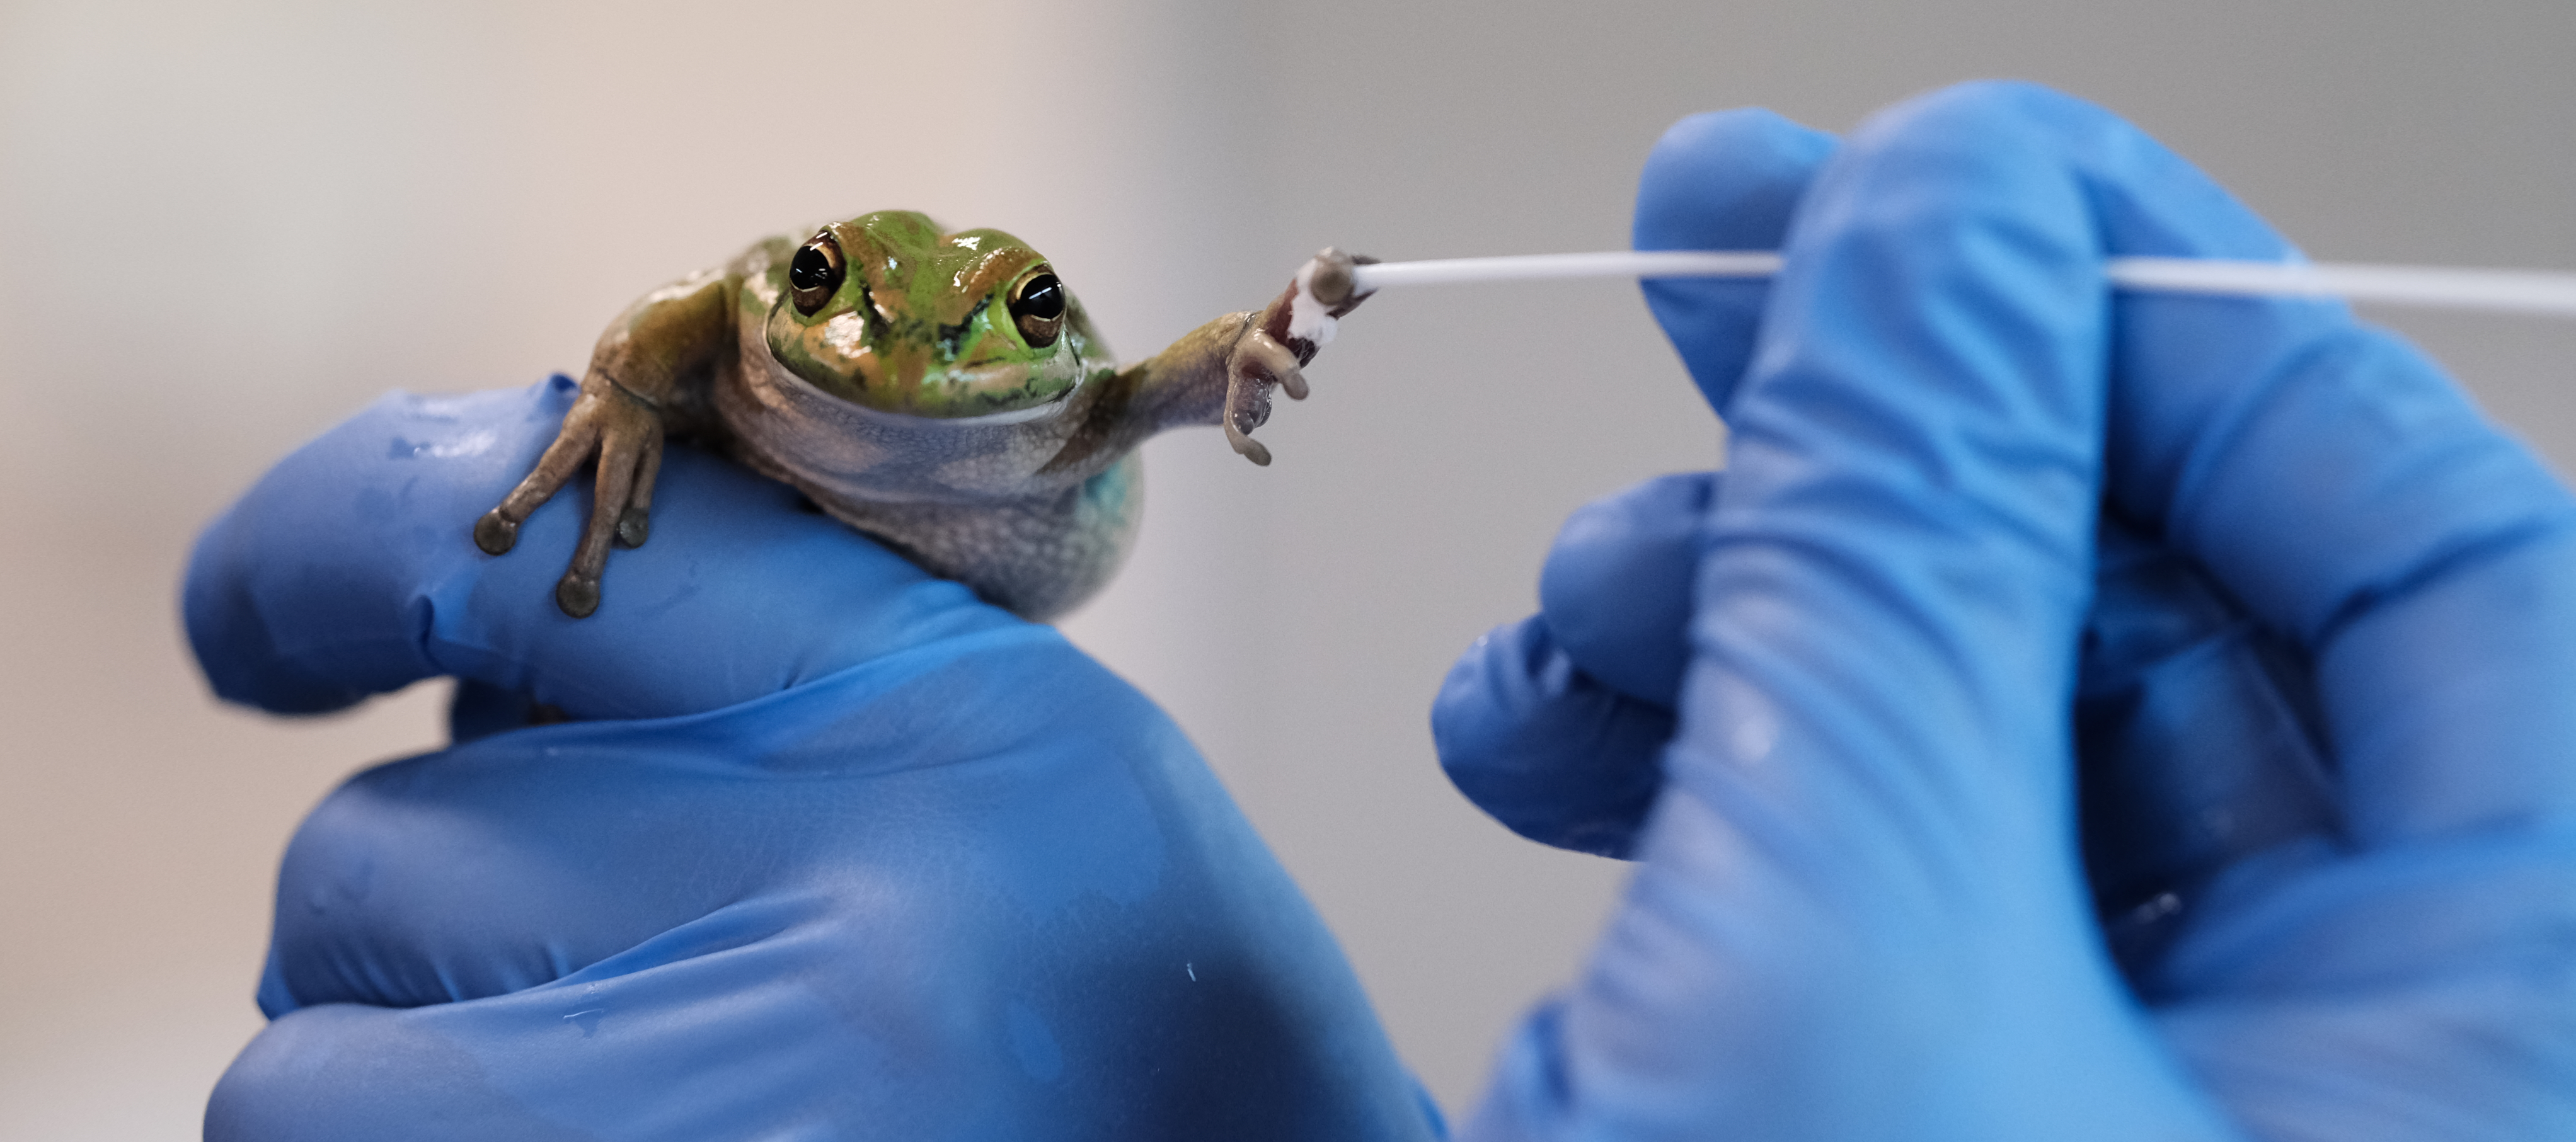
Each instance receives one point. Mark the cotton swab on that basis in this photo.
(2510, 291)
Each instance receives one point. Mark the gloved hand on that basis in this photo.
(830, 849)
(2072, 715)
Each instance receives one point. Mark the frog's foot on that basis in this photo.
(625, 434)
(1283, 340)
(1257, 362)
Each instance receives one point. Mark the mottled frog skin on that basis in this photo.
(941, 391)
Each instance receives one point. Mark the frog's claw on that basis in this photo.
(626, 436)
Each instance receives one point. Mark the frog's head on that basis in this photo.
(886, 311)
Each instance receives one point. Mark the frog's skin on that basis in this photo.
(940, 391)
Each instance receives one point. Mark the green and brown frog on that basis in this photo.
(941, 391)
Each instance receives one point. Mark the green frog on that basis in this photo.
(942, 391)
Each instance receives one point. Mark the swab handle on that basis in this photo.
(1603, 264)
(2513, 291)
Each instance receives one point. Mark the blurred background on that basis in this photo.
(227, 224)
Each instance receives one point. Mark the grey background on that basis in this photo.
(226, 225)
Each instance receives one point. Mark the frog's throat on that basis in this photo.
(841, 453)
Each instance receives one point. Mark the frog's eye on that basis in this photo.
(1037, 304)
(815, 275)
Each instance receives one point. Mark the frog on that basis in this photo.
(942, 391)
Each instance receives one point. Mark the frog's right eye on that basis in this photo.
(815, 275)
(1037, 307)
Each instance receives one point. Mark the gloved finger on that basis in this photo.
(1553, 725)
(348, 571)
(2353, 497)
(1543, 748)
(724, 1027)
(2195, 726)
(1547, 748)
(983, 877)
(2410, 977)
(2197, 744)
(769, 1020)
(1725, 180)
(1896, 568)
(1616, 588)
(795, 1015)
(2419, 990)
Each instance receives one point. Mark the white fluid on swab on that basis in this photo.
(2511, 291)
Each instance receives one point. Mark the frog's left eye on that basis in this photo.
(815, 275)
(1037, 305)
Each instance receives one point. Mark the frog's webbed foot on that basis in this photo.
(1283, 339)
(625, 432)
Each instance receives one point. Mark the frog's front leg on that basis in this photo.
(1221, 372)
(1284, 339)
(625, 434)
(625, 409)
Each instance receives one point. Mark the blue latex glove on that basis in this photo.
(2073, 715)
(832, 850)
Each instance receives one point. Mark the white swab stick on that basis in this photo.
(2437, 287)
(2515, 291)
(1604, 264)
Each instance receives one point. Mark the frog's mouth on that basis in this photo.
(961, 395)
(999, 393)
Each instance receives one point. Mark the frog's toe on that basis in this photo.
(1261, 357)
(577, 594)
(634, 526)
(1292, 380)
(1250, 449)
(496, 533)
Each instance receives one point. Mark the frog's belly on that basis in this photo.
(1037, 558)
